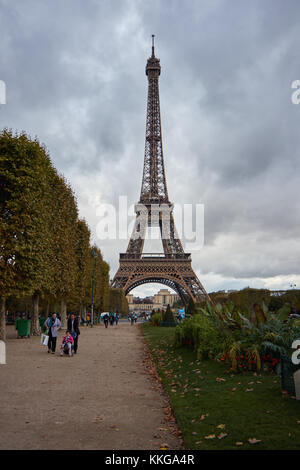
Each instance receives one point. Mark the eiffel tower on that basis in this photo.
(173, 267)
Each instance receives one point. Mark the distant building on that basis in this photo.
(158, 301)
(164, 297)
(277, 293)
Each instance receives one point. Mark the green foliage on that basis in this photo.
(200, 333)
(26, 224)
(44, 248)
(168, 318)
(25, 219)
(83, 271)
(190, 309)
(292, 298)
(156, 319)
(118, 301)
(223, 332)
(245, 405)
(246, 298)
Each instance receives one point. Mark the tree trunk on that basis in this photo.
(35, 323)
(47, 309)
(2, 320)
(84, 312)
(63, 313)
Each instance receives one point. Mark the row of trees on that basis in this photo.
(248, 297)
(118, 302)
(45, 251)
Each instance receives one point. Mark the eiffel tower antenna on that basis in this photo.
(173, 267)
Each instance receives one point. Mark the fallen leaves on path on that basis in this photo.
(222, 435)
(210, 436)
(97, 419)
(164, 446)
(114, 427)
(204, 416)
(221, 426)
(253, 440)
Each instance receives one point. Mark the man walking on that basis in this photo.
(53, 324)
(105, 319)
(73, 327)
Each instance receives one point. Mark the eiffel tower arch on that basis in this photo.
(172, 267)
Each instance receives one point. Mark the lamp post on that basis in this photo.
(94, 255)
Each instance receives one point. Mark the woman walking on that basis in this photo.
(53, 324)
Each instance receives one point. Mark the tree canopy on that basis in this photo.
(45, 250)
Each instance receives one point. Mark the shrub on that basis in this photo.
(156, 319)
(199, 333)
(168, 318)
(250, 341)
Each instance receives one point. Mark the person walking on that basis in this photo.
(53, 324)
(73, 327)
(105, 320)
(117, 318)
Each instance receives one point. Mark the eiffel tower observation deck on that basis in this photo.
(173, 266)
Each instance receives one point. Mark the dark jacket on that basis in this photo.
(76, 325)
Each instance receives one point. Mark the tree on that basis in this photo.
(83, 266)
(25, 171)
(191, 309)
(105, 289)
(118, 301)
(65, 216)
(44, 249)
(246, 298)
(168, 318)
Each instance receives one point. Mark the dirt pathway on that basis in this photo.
(102, 398)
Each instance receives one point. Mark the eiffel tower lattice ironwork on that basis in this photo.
(173, 267)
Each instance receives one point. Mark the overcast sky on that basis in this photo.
(75, 77)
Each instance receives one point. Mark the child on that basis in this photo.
(66, 344)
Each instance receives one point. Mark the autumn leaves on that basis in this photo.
(45, 247)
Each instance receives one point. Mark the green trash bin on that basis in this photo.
(23, 327)
(42, 321)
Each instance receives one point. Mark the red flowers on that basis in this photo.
(247, 360)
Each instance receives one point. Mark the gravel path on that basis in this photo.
(102, 398)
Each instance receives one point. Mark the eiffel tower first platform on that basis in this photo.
(173, 267)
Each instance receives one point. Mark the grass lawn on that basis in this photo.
(209, 400)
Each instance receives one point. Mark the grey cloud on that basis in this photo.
(75, 75)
